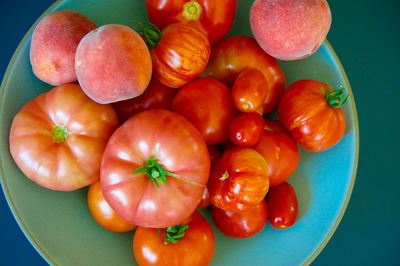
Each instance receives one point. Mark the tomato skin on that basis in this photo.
(239, 180)
(279, 150)
(213, 18)
(234, 54)
(282, 206)
(246, 129)
(241, 225)
(215, 154)
(207, 104)
(181, 55)
(312, 122)
(178, 148)
(249, 90)
(156, 96)
(102, 212)
(195, 248)
(70, 164)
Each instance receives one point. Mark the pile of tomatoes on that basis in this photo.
(197, 136)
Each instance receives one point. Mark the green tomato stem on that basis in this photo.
(151, 33)
(334, 98)
(174, 233)
(59, 134)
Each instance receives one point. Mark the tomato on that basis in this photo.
(102, 213)
(239, 180)
(241, 225)
(246, 129)
(279, 150)
(154, 169)
(195, 247)
(213, 18)
(207, 104)
(156, 96)
(234, 54)
(58, 138)
(214, 153)
(282, 206)
(312, 113)
(249, 90)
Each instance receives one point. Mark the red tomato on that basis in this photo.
(241, 225)
(213, 18)
(207, 104)
(156, 96)
(279, 150)
(214, 153)
(205, 200)
(246, 129)
(154, 169)
(180, 55)
(282, 206)
(239, 180)
(195, 247)
(234, 54)
(312, 113)
(57, 139)
(249, 90)
(103, 214)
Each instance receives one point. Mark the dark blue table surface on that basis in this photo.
(366, 37)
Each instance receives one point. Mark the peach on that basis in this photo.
(290, 29)
(113, 64)
(54, 43)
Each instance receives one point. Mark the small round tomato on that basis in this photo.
(102, 213)
(191, 242)
(156, 96)
(279, 150)
(311, 111)
(246, 129)
(241, 225)
(234, 54)
(239, 180)
(282, 206)
(249, 90)
(213, 18)
(207, 104)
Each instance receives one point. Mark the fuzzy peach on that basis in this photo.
(113, 64)
(290, 29)
(54, 43)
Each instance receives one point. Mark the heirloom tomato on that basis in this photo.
(154, 169)
(213, 18)
(279, 150)
(239, 180)
(58, 138)
(246, 129)
(241, 225)
(282, 206)
(312, 112)
(102, 213)
(234, 54)
(191, 242)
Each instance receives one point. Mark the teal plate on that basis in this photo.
(60, 227)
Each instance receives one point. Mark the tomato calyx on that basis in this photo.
(154, 171)
(334, 98)
(149, 31)
(224, 176)
(192, 10)
(174, 233)
(59, 134)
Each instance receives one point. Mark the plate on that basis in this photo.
(59, 224)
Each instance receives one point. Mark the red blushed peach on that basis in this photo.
(113, 64)
(54, 43)
(290, 29)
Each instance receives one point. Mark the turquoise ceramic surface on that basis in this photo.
(60, 227)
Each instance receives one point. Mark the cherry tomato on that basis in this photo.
(154, 169)
(234, 54)
(282, 206)
(207, 104)
(246, 129)
(249, 90)
(279, 150)
(156, 96)
(241, 225)
(213, 18)
(58, 138)
(312, 113)
(239, 180)
(103, 214)
(152, 246)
